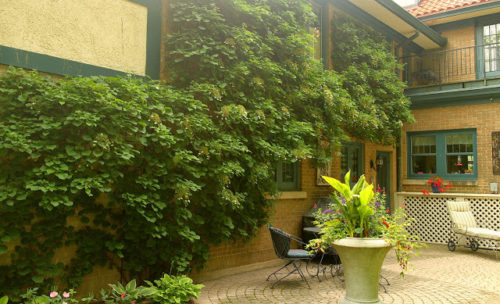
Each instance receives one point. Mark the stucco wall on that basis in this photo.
(110, 34)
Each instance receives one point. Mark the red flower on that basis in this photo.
(404, 205)
(122, 295)
(315, 206)
(425, 191)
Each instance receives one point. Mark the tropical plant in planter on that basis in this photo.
(363, 231)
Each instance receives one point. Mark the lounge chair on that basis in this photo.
(463, 224)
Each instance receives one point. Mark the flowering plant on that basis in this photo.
(128, 294)
(437, 184)
(54, 297)
(360, 212)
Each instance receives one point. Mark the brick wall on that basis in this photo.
(482, 117)
(287, 215)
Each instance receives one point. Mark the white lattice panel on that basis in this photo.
(432, 222)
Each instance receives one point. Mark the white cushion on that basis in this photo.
(484, 233)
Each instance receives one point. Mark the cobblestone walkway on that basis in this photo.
(439, 276)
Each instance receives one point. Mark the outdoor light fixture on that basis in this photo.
(380, 162)
(494, 188)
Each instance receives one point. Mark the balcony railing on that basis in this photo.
(450, 66)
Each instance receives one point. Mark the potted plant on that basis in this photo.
(362, 231)
(437, 184)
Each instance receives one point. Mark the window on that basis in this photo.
(315, 31)
(449, 154)
(287, 175)
(488, 52)
(351, 159)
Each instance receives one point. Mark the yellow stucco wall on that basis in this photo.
(110, 33)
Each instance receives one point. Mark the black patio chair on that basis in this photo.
(281, 242)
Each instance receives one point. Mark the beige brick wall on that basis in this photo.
(458, 65)
(482, 117)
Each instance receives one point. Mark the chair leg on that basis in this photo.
(297, 268)
(386, 281)
(274, 273)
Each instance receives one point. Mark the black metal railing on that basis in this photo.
(455, 65)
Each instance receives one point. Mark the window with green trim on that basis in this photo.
(287, 175)
(488, 50)
(449, 154)
(315, 31)
(351, 159)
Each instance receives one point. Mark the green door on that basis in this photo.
(384, 175)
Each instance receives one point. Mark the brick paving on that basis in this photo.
(439, 276)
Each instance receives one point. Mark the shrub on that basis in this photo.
(175, 289)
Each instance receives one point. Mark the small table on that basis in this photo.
(321, 268)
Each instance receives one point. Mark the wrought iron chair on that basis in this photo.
(281, 242)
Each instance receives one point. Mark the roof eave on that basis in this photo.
(413, 21)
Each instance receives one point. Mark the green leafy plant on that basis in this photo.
(174, 289)
(130, 293)
(31, 296)
(360, 212)
(4, 300)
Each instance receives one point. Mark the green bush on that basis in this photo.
(174, 289)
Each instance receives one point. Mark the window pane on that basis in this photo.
(355, 165)
(423, 144)
(315, 31)
(287, 172)
(343, 162)
(491, 51)
(459, 143)
(460, 164)
(424, 164)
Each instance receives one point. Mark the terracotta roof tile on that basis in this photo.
(431, 7)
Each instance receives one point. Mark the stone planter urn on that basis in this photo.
(362, 260)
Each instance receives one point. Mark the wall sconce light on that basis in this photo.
(380, 162)
(494, 188)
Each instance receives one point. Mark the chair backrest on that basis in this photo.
(461, 215)
(281, 241)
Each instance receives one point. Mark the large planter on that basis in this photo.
(362, 260)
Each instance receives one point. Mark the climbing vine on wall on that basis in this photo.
(143, 176)
(369, 74)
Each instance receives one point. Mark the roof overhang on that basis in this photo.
(395, 22)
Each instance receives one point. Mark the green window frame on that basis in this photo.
(351, 159)
(287, 176)
(320, 9)
(450, 154)
(488, 48)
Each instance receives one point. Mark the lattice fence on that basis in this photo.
(432, 222)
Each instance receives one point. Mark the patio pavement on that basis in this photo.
(439, 276)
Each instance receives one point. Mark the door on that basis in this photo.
(384, 175)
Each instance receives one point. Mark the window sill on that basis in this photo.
(288, 195)
(408, 182)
